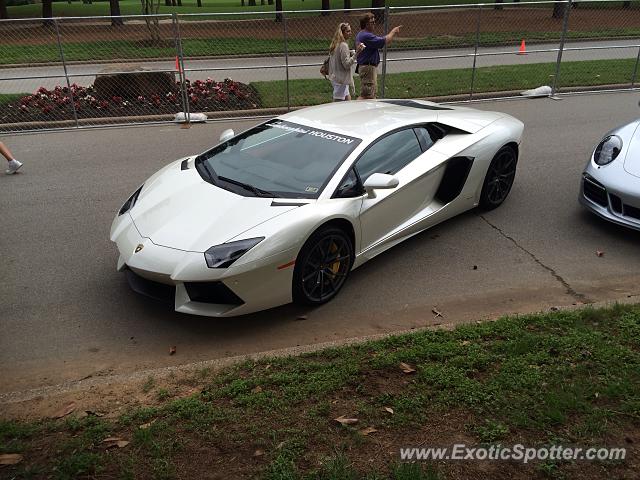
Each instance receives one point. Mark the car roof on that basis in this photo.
(372, 118)
(360, 118)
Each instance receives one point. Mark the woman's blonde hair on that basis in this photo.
(338, 37)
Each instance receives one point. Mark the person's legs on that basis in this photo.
(6, 153)
(368, 78)
(14, 164)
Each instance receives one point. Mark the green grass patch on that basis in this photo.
(564, 377)
(457, 81)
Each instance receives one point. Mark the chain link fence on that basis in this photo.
(82, 72)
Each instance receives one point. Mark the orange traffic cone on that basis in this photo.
(523, 48)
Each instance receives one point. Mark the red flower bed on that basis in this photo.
(56, 104)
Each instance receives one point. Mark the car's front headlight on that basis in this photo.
(222, 256)
(131, 201)
(607, 150)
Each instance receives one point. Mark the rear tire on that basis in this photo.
(499, 179)
(322, 266)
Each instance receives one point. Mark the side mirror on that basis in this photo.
(379, 180)
(227, 135)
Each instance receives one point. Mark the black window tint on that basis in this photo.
(425, 138)
(390, 154)
(350, 186)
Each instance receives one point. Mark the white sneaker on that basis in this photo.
(14, 166)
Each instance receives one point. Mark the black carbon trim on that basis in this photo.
(455, 176)
(149, 288)
(411, 103)
(288, 204)
(212, 292)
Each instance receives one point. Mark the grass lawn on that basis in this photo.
(132, 7)
(569, 378)
(458, 81)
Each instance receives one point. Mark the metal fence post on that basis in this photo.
(475, 52)
(286, 59)
(635, 70)
(181, 74)
(66, 75)
(384, 51)
(565, 23)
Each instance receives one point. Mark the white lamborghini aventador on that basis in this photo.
(284, 211)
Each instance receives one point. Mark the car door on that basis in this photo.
(405, 154)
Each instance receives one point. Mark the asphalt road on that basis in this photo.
(65, 313)
(246, 70)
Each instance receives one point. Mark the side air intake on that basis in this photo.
(455, 176)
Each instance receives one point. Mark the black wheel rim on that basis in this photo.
(326, 268)
(500, 176)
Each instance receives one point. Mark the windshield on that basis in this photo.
(277, 159)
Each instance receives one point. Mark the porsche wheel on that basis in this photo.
(322, 266)
(499, 180)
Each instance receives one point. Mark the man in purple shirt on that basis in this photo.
(369, 57)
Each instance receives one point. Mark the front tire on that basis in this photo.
(322, 266)
(499, 179)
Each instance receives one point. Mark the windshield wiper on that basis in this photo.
(213, 176)
(258, 192)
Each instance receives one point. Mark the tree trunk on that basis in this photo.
(326, 6)
(179, 3)
(498, 5)
(347, 4)
(278, 9)
(270, 2)
(3, 9)
(114, 11)
(558, 10)
(379, 13)
(47, 12)
(261, 2)
(167, 3)
(252, 3)
(626, 4)
(200, 3)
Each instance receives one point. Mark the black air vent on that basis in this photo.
(184, 165)
(454, 178)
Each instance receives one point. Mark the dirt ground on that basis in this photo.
(415, 24)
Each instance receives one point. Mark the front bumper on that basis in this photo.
(616, 201)
(183, 279)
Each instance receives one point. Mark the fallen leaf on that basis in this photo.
(599, 253)
(66, 410)
(596, 394)
(172, 350)
(111, 442)
(258, 453)
(122, 443)
(465, 342)
(257, 389)
(389, 409)
(406, 368)
(268, 366)
(144, 426)
(367, 431)
(436, 312)
(346, 421)
(111, 439)
(280, 445)
(10, 458)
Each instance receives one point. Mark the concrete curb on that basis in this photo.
(217, 364)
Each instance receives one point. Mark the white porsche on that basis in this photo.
(285, 210)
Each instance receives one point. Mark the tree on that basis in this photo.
(150, 7)
(114, 9)
(347, 4)
(498, 5)
(47, 11)
(559, 9)
(377, 6)
(278, 9)
(200, 3)
(325, 7)
(3, 9)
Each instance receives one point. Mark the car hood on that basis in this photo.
(632, 158)
(177, 209)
